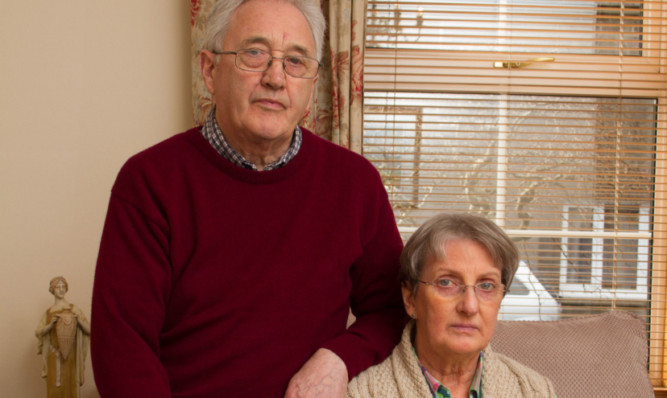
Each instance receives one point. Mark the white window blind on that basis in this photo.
(548, 117)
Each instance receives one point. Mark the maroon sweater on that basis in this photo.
(218, 281)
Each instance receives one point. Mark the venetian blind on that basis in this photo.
(547, 116)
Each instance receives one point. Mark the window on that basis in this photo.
(547, 117)
(519, 288)
(589, 267)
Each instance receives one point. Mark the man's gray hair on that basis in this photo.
(219, 18)
(428, 244)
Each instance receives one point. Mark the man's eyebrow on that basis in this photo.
(265, 42)
(255, 40)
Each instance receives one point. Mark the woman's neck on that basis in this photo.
(60, 303)
(456, 373)
(452, 372)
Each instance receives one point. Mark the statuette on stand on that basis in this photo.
(63, 343)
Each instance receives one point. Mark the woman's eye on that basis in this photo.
(445, 282)
(486, 286)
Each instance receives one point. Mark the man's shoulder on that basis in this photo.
(334, 153)
(168, 147)
(157, 163)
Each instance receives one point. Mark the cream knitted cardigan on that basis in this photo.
(399, 376)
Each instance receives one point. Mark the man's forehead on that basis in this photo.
(275, 25)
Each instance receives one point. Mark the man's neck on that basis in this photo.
(260, 153)
(263, 154)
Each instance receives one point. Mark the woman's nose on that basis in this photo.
(468, 302)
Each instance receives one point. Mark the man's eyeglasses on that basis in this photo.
(485, 291)
(256, 60)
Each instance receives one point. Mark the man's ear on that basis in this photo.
(310, 97)
(207, 66)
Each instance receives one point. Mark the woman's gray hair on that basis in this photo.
(428, 243)
(218, 21)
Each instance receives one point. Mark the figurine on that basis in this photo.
(63, 334)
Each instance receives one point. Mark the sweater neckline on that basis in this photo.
(253, 176)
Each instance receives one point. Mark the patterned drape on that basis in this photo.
(336, 111)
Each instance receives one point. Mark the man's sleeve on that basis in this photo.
(376, 295)
(129, 297)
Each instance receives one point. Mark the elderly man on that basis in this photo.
(232, 252)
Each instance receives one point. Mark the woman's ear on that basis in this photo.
(409, 301)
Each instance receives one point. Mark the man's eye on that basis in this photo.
(295, 61)
(254, 52)
(445, 283)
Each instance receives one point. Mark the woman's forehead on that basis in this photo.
(461, 256)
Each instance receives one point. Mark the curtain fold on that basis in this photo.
(337, 106)
(346, 39)
(201, 99)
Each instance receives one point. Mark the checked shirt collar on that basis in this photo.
(213, 134)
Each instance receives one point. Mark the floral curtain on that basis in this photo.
(336, 111)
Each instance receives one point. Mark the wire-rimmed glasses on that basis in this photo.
(256, 60)
(485, 291)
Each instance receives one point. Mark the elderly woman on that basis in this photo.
(455, 270)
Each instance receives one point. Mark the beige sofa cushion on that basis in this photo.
(593, 356)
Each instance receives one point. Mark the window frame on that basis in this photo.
(594, 289)
(386, 70)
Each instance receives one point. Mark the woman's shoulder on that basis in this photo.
(499, 367)
(376, 381)
(397, 376)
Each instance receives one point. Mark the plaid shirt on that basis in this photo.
(211, 131)
(440, 391)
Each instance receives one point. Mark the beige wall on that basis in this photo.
(83, 85)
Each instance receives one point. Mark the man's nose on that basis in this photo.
(274, 75)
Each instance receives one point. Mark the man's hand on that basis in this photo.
(324, 375)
